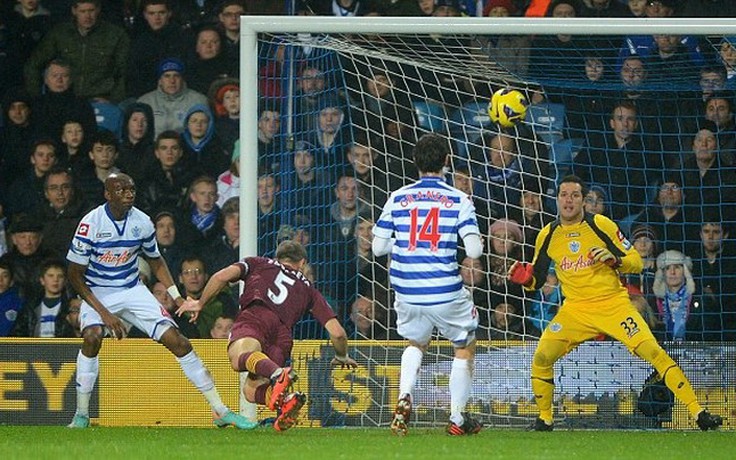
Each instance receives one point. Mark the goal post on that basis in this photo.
(388, 80)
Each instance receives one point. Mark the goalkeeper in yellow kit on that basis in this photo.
(588, 252)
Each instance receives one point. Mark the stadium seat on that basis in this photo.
(547, 120)
(109, 117)
(430, 116)
(467, 123)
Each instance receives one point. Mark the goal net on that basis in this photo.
(646, 120)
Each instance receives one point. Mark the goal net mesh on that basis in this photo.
(634, 116)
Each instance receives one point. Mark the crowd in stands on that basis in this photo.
(151, 88)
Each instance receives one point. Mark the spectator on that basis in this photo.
(228, 183)
(224, 249)
(26, 191)
(645, 240)
(26, 255)
(167, 183)
(187, 329)
(269, 141)
(545, 302)
(709, 185)
(46, 315)
(171, 100)
(596, 200)
(202, 146)
(310, 90)
(99, 75)
(719, 110)
(707, 8)
(727, 57)
(475, 280)
(202, 219)
(373, 185)
(371, 320)
(509, 51)
(10, 302)
(58, 104)
(104, 154)
(508, 323)
(714, 270)
(228, 18)
(60, 212)
(509, 171)
(159, 38)
(619, 162)
(73, 153)
(269, 213)
(27, 25)
(604, 9)
(532, 215)
(208, 62)
(666, 216)
(136, 149)
(327, 135)
(165, 224)
(504, 248)
(193, 277)
(222, 327)
(674, 288)
(463, 180)
(16, 134)
(310, 186)
(224, 96)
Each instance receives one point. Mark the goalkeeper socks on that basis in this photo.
(256, 362)
(676, 381)
(201, 378)
(87, 370)
(544, 390)
(411, 360)
(671, 373)
(460, 383)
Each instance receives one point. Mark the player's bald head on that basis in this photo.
(116, 179)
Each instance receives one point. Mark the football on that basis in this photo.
(507, 107)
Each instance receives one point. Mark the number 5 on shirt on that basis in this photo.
(428, 232)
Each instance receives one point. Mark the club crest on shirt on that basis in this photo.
(574, 246)
(555, 327)
(136, 232)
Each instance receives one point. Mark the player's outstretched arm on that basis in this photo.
(339, 340)
(214, 285)
(112, 322)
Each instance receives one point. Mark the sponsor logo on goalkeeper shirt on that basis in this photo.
(575, 265)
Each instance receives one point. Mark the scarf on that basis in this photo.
(204, 222)
(674, 310)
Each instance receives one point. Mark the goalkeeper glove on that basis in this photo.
(521, 273)
(605, 256)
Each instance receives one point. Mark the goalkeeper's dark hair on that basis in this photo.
(430, 153)
(290, 251)
(573, 179)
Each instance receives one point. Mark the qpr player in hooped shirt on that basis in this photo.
(420, 226)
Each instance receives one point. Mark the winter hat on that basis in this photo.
(664, 260)
(646, 231)
(169, 65)
(509, 225)
(508, 4)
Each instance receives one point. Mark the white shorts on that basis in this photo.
(455, 321)
(135, 306)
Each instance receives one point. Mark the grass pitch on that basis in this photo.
(21, 442)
